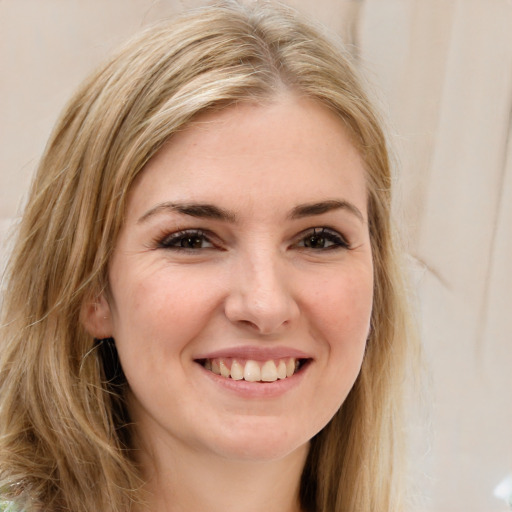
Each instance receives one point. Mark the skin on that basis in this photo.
(251, 282)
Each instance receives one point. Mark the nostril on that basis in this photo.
(265, 313)
(261, 328)
(248, 323)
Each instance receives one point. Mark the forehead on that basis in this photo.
(290, 149)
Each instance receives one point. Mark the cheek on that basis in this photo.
(160, 311)
(340, 317)
(343, 303)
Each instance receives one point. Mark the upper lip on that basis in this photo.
(255, 353)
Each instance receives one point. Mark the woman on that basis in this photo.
(204, 306)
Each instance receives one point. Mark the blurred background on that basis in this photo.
(443, 72)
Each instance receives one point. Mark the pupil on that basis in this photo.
(191, 242)
(314, 241)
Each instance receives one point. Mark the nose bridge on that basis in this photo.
(261, 294)
(263, 281)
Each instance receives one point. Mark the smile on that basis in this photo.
(253, 371)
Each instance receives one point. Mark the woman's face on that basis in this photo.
(241, 284)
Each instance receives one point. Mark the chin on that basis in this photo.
(261, 443)
(263, 452)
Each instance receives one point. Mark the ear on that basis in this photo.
(96, 317)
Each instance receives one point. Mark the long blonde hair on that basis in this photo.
(65, 440)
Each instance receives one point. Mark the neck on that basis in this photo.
(187, 481)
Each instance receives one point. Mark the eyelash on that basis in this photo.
(324, 234)
(175, 241)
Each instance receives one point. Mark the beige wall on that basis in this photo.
(444, 69)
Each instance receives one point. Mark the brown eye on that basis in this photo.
(191, 240)
(323, 239)
(314, 242)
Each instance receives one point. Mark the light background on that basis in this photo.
(444, 72)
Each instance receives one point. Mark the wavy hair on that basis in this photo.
(65, 439)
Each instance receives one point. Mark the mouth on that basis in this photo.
(251, 370)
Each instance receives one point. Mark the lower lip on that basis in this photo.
(247, 389)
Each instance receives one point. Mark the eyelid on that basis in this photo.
(167, 240)
(339, 241)
(171, 240)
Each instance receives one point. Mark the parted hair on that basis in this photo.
(65, 433)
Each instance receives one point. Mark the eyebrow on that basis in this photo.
(210, 211)
(200, 210)
(311, 209)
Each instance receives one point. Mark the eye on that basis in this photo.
(186, 240)
(322, 239)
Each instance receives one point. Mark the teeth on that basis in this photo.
(290, 367)
(281, 370)
(224, 370)
(269, 372)
(253, 371)
(215, 367)
(237, 372)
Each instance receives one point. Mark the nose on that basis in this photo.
(261, 295)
